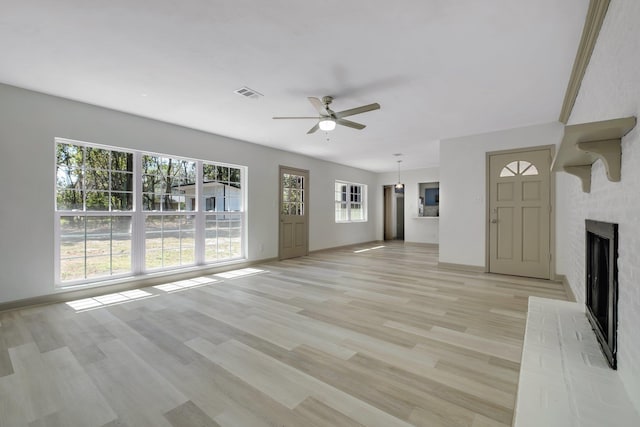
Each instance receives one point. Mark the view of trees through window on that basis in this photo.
(97, 214)
(292, 195)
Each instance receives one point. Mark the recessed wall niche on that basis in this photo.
(428, 199)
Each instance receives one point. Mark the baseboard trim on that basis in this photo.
(133, 283)
(462, 267)
(567, 287)
(423, 245)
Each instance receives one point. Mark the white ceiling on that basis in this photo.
(439, 68)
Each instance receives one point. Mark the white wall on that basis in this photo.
(416, 230)
(29, 122)
(611, 89)
(463, 187)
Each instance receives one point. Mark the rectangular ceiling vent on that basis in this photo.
(248, 92)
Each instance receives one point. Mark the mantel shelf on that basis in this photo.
(585, 143)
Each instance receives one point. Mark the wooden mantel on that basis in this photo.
(585, 143)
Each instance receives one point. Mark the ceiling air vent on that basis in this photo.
(248, 92)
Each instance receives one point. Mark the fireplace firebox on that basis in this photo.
(602, 285)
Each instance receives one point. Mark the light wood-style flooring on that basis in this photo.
(376, 338)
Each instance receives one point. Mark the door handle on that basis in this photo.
(494, 221)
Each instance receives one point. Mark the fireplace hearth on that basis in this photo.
(602, 284)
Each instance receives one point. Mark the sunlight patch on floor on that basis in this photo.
(184, 284)
(368, 249)
(233, 274)
(109, 299)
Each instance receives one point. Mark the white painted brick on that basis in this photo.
(611, 89)
(564, 378)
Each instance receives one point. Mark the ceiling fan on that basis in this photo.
(328, 119)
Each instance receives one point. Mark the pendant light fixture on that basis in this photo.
(399, 185)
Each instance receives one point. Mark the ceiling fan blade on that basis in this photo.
(350, 124)
(358, 110)
(289, 118)
(318, 105)
(313, 129)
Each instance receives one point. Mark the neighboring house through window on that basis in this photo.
(123, 212)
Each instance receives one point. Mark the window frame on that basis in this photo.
(349, 194)
(139, 215)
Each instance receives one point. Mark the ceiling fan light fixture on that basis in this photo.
(327, 124)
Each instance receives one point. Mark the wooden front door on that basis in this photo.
(294, 225)
(520, 213)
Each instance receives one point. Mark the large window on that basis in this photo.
(120, 213)
(350, 202)
(94, 201)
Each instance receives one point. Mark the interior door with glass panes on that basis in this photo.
(294, 225)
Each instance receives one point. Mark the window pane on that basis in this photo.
(97, 158)
(341, 212)
(72, 247)
(67, 200)
(235, 204)
(170, 241)
(150, 165)
(121, 228)
(98, 236)
(235, 176)
(121, 161)
(97, 201)
(235, 237)
(69, 155)
(208, 172)
(152, 184)
(121, 201)
(89, 246)
(67, 177)
(187, 240)
(223, 174)
(121, 181)
(96, 180)
(506, 172)
(186, 172)
(98, 266)
(151, 202)
(211, 238)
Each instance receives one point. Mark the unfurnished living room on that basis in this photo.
(339, 213)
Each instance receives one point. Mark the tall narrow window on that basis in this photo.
(222, 193)
(94, 202)
(167, 186)
(121, 213)
(350, 202)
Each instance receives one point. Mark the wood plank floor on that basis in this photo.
(375, 338)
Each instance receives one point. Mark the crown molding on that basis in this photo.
(595, 17)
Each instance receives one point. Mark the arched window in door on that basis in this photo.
(519, 167)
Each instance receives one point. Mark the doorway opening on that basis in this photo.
(393, 213)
